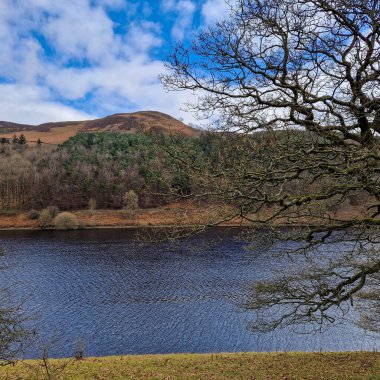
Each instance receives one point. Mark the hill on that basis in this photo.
(57, 133)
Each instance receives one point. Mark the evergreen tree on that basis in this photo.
(15, 139)
(22, 139)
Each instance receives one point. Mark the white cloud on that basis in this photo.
(111, 4)
(84, 58)
(185, 10)
(32, 105)
(169, 5)
(81, 33)
(184, 21)
(110, 86)
(140, 39)
(215, 10)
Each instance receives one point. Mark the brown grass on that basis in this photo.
(167, 215)
(175, 214)
(56, 135)
(144, 121)
(254, 366)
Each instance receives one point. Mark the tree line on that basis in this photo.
(97, 168)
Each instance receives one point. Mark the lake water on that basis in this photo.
(121, 297)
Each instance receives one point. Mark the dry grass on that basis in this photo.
(281, 366)
(176, 214)
(170, 215)
(56, 135)
(143, 121)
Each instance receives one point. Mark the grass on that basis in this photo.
(8, 213)
(281, 366)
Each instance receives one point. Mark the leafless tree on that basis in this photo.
(14, 336)
(297, 82)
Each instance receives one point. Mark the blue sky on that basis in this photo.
(81, 59)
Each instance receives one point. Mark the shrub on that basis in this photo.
(53, 210)
(130, 200)
(92, 204)
(33, 214)
(45, 219)
(130, 204)
(66, 221)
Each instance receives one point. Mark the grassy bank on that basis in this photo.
(284, 366)
(175, 214)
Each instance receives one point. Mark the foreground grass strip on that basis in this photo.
(284, 366)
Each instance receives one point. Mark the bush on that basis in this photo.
(130, 200)
(45, 219)
(92, 204)
(66, 221)
(130, 204)
(33, 214)
(53, 210)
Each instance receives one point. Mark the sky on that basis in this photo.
(82, 59)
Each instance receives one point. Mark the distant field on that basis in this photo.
(281, 366)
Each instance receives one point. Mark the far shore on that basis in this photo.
(183, 215)
(169, 216)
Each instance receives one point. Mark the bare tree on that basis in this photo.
(14, 335)
(298, 82)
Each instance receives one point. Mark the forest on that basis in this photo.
(94, 170)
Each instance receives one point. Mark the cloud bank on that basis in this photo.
(75, 60)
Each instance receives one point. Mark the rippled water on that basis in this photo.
(119, 297)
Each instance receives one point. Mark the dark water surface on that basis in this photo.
(120, 297)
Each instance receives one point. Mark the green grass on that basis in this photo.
(282, 366)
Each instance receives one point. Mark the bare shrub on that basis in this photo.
(130, 200)
(53, 210)
(66, 221)
(92, 204)
(130, 204)
(45, 219)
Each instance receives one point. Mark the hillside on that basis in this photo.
(57, 133)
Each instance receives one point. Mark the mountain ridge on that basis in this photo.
(135, 122)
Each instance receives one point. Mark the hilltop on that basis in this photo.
(57, 133)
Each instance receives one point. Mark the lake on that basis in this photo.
(121, 297)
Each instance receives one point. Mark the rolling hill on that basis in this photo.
(137, 122)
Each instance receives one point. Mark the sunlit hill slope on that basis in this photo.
(138, 122)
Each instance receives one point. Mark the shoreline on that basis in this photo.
(177, 215)
(216, 353)
(169, 216)
(138, 227)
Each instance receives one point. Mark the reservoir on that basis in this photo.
(119, 296)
